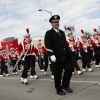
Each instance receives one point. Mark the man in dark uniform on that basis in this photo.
(60, 56)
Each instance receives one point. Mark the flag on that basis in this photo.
(70, 26)
(99, 27)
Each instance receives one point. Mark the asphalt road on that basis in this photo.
(85, 86)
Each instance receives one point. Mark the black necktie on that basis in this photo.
(58, 33)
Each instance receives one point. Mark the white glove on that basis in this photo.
(77, 45)
(37, 58)
(42, 57)
(53, 58)
(96, 41)
(90, 45)
(70, 45)
(85, 46)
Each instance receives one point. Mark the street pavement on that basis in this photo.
(85, 87)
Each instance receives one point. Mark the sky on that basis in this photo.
(17, 15)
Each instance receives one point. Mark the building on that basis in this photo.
(6, 43)
(36, 41)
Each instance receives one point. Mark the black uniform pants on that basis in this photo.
(74, 61)
(85, 60)
(58, 70)
(32, 64)
(46, 62)
(19, 65)
(4, 68)
(29, 62)
(13, 62)
(97, 59)
(78, 55)
(91, 55)
(51, 69)
(40, 62)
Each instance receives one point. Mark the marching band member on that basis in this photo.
(40, 56)
(72, 46)
(78, 50)
(0, 54)
(42, 52)
(4, 60)
(19, 63)
(84, 53)
(34, 57)
(13, 57)
(90, 49)
(97, 47)
(26, 47)
(46, 61)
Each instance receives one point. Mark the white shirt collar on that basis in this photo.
(57, 30)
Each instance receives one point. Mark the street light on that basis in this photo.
(46, 11)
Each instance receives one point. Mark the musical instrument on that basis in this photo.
(25, 54)
(72, 46)
(22, 57)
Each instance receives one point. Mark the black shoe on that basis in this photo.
(68, 89)
(61, 92)
(26, 83)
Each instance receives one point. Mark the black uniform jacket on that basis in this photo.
(56, 45)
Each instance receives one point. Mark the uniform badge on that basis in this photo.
(55, 17)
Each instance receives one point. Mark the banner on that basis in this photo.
(70, 26)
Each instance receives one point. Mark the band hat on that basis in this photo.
(16, 49)
(39, 42)
(69, 31)
(11, 47)
(54, 18)
(27, 33)
(77, 40)
(2, 49)
(83, 34)
(95, 32)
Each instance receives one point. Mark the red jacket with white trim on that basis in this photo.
(42, 50)
(13, 56)
(71, 44)
(28, 48)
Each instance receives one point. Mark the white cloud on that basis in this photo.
(15, 19)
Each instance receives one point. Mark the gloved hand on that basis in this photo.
(85, 46)
(70, 45)
(96, 41)
(36, 58)
(90, 45)
(53, 58)
(42, 56)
